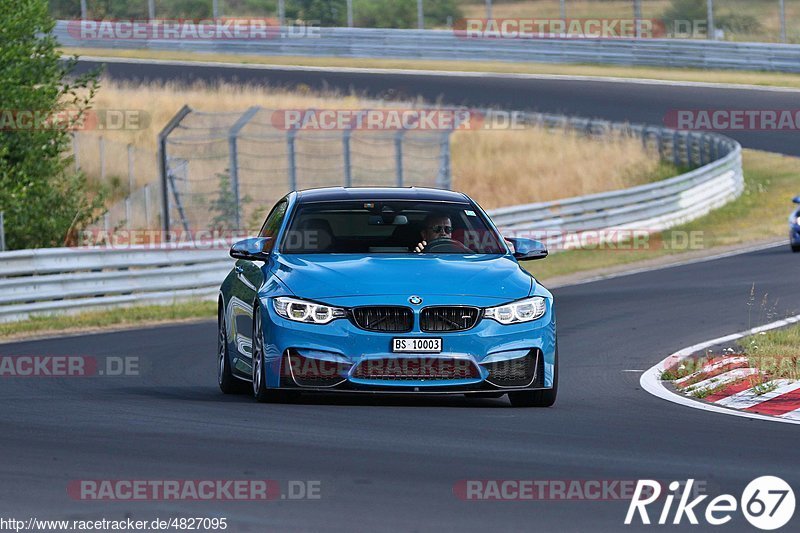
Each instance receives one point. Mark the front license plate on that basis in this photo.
(416, 345)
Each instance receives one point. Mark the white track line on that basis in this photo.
(651, 382)
(445, 73)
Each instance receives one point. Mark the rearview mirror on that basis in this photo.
(796, 199)
(254, 249)
(528, 249)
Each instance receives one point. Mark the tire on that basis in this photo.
(228, 383)
(795, 248)
(261, 393)
(538, 398)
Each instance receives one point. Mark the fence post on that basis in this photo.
(782, 10)
(712, 30)
(163, 169)
(233, 155)
(398, 156)
(291, 133)
(146, 192)
(2, 233)
(349, 13)
(128, 212)
(101, 146)
(443, 179)
(348, 171)
(130, 170)
(676, 157)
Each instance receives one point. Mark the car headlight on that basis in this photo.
(515, 312)
(309, 312)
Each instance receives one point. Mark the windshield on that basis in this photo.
(376, 227)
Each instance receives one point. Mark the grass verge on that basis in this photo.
(759, 213)
(775, 353)
(107, 319)
(767, 79)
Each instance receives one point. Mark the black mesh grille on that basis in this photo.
(437, 319)
(416, 368)
(395, 319)
(310, 372)
(515, 372)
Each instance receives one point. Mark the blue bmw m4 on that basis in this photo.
(386, 290)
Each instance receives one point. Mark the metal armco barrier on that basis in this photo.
(449, 45)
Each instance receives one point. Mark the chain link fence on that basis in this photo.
(225, 170)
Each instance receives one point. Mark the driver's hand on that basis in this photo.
(421, 246)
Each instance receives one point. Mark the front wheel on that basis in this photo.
(795, 248)
(260, 391)
(538, 398)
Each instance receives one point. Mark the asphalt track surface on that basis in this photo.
(619, 101)
(391, 463)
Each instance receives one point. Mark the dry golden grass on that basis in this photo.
(496, 167)
(500, 168)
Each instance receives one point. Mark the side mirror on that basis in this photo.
(528, 249)
(255, 249)
(796, 199)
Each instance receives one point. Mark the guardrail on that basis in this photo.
(451, 45)
(35, 282)
(66, 279)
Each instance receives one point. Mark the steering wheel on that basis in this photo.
(446, 245)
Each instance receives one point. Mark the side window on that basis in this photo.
(274, 221)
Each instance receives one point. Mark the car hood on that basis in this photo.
(319, 276)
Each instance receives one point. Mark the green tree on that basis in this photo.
(43, 200)
(225, 206)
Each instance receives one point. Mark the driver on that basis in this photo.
(436, 226)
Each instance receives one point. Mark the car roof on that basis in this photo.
(380, 194)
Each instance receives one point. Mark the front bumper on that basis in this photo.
(339, 356)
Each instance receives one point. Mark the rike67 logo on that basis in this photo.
(767, 503)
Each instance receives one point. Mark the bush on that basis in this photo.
(45, 203)
(738, 23)
(402, 13)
